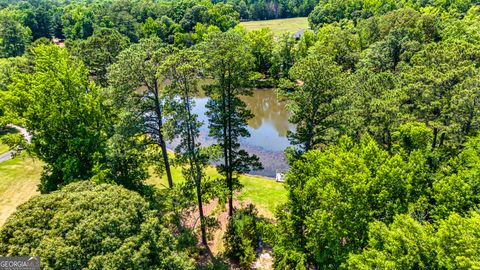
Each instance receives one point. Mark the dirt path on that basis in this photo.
(221, 214)
(264, 259)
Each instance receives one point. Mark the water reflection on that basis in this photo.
(270, 124)
(267, 109)
(268, 129)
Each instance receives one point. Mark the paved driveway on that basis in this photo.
(8, 155)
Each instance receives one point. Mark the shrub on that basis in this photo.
(88, 226)
(242, 237)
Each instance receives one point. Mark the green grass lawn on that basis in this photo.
(265, 193)
(19, 178)
(278, 26)
(3, 148)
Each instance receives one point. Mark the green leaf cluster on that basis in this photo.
(89, 226)
(65, 114)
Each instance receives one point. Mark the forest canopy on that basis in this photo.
(116, 227)
(384, 154)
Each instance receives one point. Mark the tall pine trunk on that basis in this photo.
(195, 167)
(163, 145)
(435, 134)
(166, 162)
(230, 154)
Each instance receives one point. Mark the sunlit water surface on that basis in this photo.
(268, 129)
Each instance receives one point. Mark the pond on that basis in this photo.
(268, 129)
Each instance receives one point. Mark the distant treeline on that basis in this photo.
(271, 9)
(136, 19)
(330, 11)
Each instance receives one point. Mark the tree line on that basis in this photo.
(180, 22)
(271, 9)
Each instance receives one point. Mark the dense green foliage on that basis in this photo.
(64, 113)
(261, 43)
(14, 37)
(8, 67)
(99, 51)
(329, 11)
(457, 190)
(271, 9)
(409, 244)
(397, 68)
(334, 194)
(172, 21)
(314, 101)
(242, 235)
(384, 96)
(88, 226)
(73, 128)
(339, 195)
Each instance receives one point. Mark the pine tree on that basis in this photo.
(136, 88)
(230, 61)
(181, 72)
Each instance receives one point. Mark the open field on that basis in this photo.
(19, 179)
(3, 148)
(263, 192)
(278, 26)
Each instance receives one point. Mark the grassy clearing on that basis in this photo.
(278, 26)
(19, 179)
(3, 148)
(265, 193)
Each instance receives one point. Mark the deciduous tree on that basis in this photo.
(14, 37)
(334, 194)
(64, 113)
(88, 226)
(261, 42)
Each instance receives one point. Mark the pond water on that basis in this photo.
(268, 129)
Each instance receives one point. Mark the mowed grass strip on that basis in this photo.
(278, 26)
(19, 178)
(3, 148)
(264, 192)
